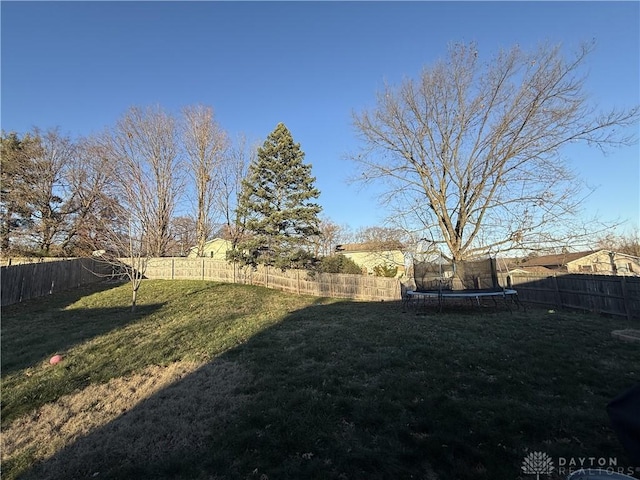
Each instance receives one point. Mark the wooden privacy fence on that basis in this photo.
(32, 280)
(359, 287)
(608, 294)
(613, 295)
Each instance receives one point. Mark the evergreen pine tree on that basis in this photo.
(276, 207)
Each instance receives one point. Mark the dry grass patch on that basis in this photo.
(55, 425)
(137, 419)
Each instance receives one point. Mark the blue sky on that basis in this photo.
(80, 65)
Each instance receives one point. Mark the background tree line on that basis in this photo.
(174, 180)
(155, 184)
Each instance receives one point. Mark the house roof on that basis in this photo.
(508, 264)
(370, 247)
(505, 264)
(537, 270)
(555, 261)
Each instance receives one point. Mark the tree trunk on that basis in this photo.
(6, 232)
(134, 297)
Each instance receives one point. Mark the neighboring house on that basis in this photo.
(536, 270)
(372, 254)
(603, 262)
(507, 265)
(216, 249)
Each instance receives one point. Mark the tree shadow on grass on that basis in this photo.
(346, 390)
(36, 329)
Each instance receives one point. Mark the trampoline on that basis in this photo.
(466, 280)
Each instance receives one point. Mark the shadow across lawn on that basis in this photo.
(359, 390)
(34, 331)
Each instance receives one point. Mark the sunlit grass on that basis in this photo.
(209, 380)
(101, 339)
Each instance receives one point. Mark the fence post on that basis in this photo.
(625, 296)
(298, 281)
(202, 268)
(557, 290)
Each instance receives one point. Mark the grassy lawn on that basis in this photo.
(216, 381)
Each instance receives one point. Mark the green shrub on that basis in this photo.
(338, 264)
(385, 270)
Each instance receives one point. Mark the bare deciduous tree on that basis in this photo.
(112, 231)
(51, 198)
(124, 249)
(205, 144)
(471, 151)
(91, 178)
(183, 234)
(53, 191)
(145, 149)
(232, 171)
(627, 243)
(330, 233)
(381, 235)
